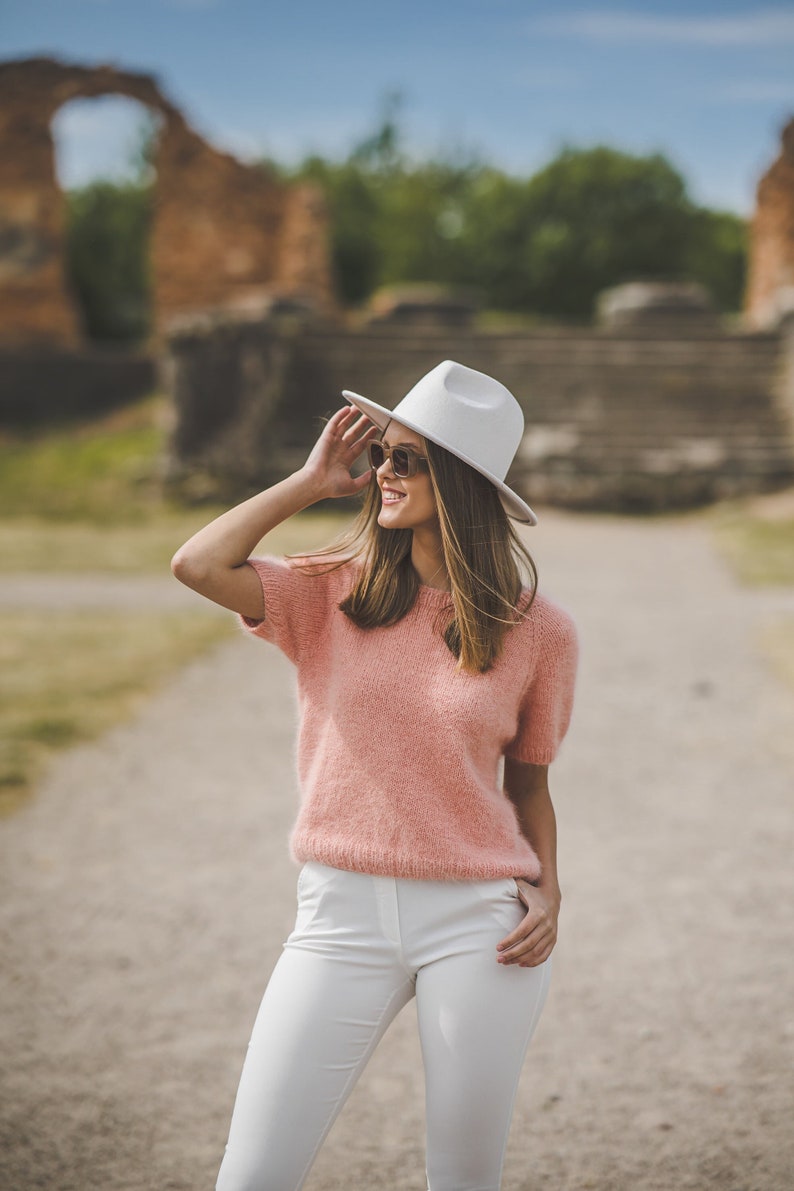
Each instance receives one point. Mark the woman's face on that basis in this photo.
(405, 503)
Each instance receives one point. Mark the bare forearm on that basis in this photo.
(229, 540)
(212, 562)
(539, 826)
(534, 938)
(527, 787)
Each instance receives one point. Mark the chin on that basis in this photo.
(388, 522)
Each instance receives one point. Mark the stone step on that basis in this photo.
(613, 391)
(530, 373)
(340, 347)
(414, 333)
(629, 448)
(730, 376)
(655, 420)
(643, 493)
(717, 362)
(648, 459)
(623, 421)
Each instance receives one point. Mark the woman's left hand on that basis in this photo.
(532, 942)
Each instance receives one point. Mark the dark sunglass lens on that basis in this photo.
(376, 454)
(401, 462)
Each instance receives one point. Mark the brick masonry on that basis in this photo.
(223, 232)
(770, 288)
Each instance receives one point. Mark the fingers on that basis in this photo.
(533, 926)
(354, 428)
(529, 944)
(528, 954)
(346, 416)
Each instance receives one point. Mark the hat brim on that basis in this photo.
(513, 505)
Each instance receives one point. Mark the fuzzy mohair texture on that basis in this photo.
(398, 750)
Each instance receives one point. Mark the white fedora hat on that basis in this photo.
(468, 413)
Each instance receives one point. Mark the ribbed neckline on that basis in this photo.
(434, 595)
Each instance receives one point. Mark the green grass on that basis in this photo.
(106, 471)
(756, 537)
(76, 674)
(89, 498)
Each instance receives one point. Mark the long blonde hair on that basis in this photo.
(482, 555)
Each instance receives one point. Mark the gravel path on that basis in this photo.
(36, 590)
(146, 890)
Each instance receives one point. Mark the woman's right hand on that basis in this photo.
(344, 437)
(212, 561)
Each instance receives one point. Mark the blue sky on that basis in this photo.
(709, 84)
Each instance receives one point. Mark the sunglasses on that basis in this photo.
(405, 461)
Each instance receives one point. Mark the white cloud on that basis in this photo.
(770, 26)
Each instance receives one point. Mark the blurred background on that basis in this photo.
(463, 144)
(214, 216)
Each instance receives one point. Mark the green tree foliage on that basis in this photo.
(108, 258)
(354, 208)
(716, 255)
(391, 220)
(590, 219)
(108, 227)
(545, 245)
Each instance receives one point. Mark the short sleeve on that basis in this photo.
(547, 703)
(297, 605)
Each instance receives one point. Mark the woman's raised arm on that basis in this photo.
(212, 562)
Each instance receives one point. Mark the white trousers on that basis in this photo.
(362, 947)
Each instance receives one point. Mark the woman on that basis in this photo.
(428, 862)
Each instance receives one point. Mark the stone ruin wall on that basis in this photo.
(625, 420)
(770, 286)
(631, 421)
(223, 232)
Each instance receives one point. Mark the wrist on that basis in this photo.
(311, 483)
(548, 887)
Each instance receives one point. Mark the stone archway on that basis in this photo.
(223, 232)
(770, 285)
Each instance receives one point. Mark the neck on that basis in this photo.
(427, 558)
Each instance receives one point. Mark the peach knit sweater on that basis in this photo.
(398, 753)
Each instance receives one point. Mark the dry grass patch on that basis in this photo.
(106, 469)
(88, 497)
(73, 675)
(38, 544)
(757, 538)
